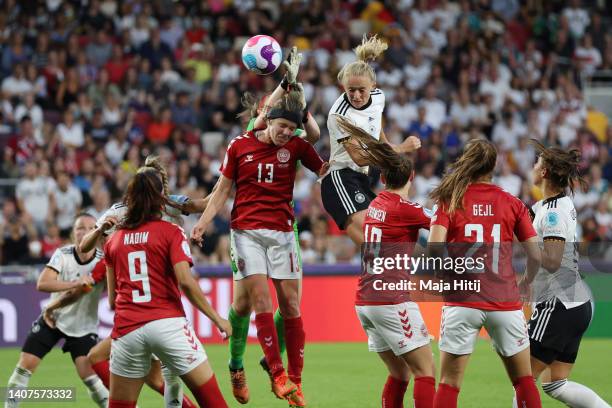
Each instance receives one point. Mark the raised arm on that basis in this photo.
(96, 237)
(293, 66)
(409, 145)
(218, 198)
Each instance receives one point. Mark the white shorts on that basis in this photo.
(460, 326)
(172, 340)
(265, 252)
(399, 328)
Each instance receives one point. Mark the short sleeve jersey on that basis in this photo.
(390, 219)
(264, 175)
(81, 317)
(143, 261)
(555, 218)
(490, 215)
(368, 117)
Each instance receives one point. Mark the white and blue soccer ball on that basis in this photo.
(262, 54)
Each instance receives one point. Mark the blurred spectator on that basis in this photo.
(35, 196)
(91, 88)
(68, 201)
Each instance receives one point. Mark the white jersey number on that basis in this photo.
(479, 230)
(371, 248)
(139, 276)
(269, 168)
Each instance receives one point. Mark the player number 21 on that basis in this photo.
(470, 229)
(269, 168)
(139, 276)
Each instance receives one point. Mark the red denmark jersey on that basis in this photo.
(490, 215)
(390, 219)
(143, 259)
(264, 175)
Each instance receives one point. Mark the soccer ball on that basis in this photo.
(262, 54)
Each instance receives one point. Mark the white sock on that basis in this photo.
(573, 394)
(97, 390)
(19, 379)
(514, 403)
(173, 389)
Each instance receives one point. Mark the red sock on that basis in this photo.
(393, 393)
(446, 396)
(102, 369)
(295, 337)
(266, 334)
(527, 395)
(424, 392)
(121, 404)
(209, 395)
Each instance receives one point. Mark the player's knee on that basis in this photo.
(261, 302)
(28, 362)
(554, 389)
(290, 308)
(94, 356)
(241, 305)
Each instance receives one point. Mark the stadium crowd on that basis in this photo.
(90, 88)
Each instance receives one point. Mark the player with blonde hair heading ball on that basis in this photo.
(346, 189)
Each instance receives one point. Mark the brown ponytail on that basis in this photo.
(396, 168)
(562, 166)
(478, 160)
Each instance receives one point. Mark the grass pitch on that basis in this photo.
(336, 375)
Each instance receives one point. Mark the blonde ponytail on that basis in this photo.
(369, 50)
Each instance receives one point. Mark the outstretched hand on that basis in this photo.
(292, 65)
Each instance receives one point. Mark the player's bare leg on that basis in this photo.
(555, 383)
(203, 384)
(354, 227)
(124, 391)
(420, 363)
(259, 297)
(240, 317)
(289, 294)
(96, 389)
(98, 357)
(397, 381)
(452, 369)
(21, 375)
(518, 367)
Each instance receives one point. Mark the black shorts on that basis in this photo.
(42, 338)
(555, 332)
(345, 192)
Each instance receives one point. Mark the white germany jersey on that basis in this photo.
(118, 210)
(369, 118)
(555, 217)
(81, 317)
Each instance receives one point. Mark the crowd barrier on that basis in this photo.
(327, 307)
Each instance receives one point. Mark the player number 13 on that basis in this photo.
(269, 168)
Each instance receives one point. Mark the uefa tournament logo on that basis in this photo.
(283, 155)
